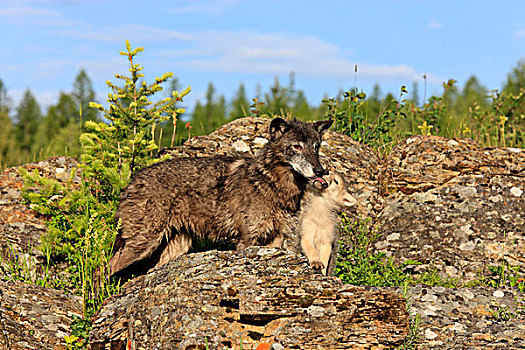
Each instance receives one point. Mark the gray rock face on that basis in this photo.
(456, 206)
(32, 317)
(257, 296)
(469, 318)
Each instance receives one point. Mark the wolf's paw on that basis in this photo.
(317, 265)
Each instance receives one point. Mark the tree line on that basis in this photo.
(494, 118)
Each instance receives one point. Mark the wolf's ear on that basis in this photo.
(278, 127)
(323, 125)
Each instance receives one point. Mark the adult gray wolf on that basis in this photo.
(247, 200)
(319, 219)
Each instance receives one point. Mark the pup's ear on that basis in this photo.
(278, 127)
(323, 125)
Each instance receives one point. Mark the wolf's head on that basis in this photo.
(299, 142)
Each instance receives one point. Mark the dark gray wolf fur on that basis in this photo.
(319, 219)
(250, 201)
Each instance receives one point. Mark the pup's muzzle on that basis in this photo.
(320, 183)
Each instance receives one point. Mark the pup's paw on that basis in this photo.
(317, 265)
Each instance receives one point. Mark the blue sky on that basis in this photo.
(44, 43)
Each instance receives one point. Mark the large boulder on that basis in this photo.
(454, 206)
(257, 296)
(33, 317)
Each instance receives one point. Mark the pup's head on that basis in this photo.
(300, 143)
(333, 188)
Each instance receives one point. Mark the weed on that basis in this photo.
(414, 323)
(502, 314)
(359, 264)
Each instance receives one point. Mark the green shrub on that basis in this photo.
(81, 227)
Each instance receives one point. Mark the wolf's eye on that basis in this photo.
(336, 182)
(298, 147)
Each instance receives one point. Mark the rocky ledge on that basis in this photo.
(254, 297)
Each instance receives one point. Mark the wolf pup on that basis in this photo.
(249, 201)
(319, 218)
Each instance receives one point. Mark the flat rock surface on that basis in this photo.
(257, 296)
(469, 318)
(33, 317)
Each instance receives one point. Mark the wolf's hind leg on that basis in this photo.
(277, 242)
(177, 245)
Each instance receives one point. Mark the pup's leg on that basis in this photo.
(308, 246)
(179, 244)
(325, 252)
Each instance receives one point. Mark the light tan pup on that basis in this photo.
(319, 219)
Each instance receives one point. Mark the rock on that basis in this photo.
(33, 317)
(469, 318)
(517, 192)
(241, 146)
(260, 295)
(470, 190)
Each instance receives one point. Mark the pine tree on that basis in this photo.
(415, 93)
(208, 117)
(59, 131)
(4, 99)
(129, 138)
(28, 117)
(373, 107)
(515, 86)
(300, 107)
(8, 154)
(165, 133)
(277, 99)
(83, 94)
(240, 105)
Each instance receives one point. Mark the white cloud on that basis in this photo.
(212, 7)
(22, 12)
(34, 15)
(520, 34)
(279, 53)
(135, 31)
(435, 25)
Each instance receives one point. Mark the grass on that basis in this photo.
(414, 323)
(359, 264)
